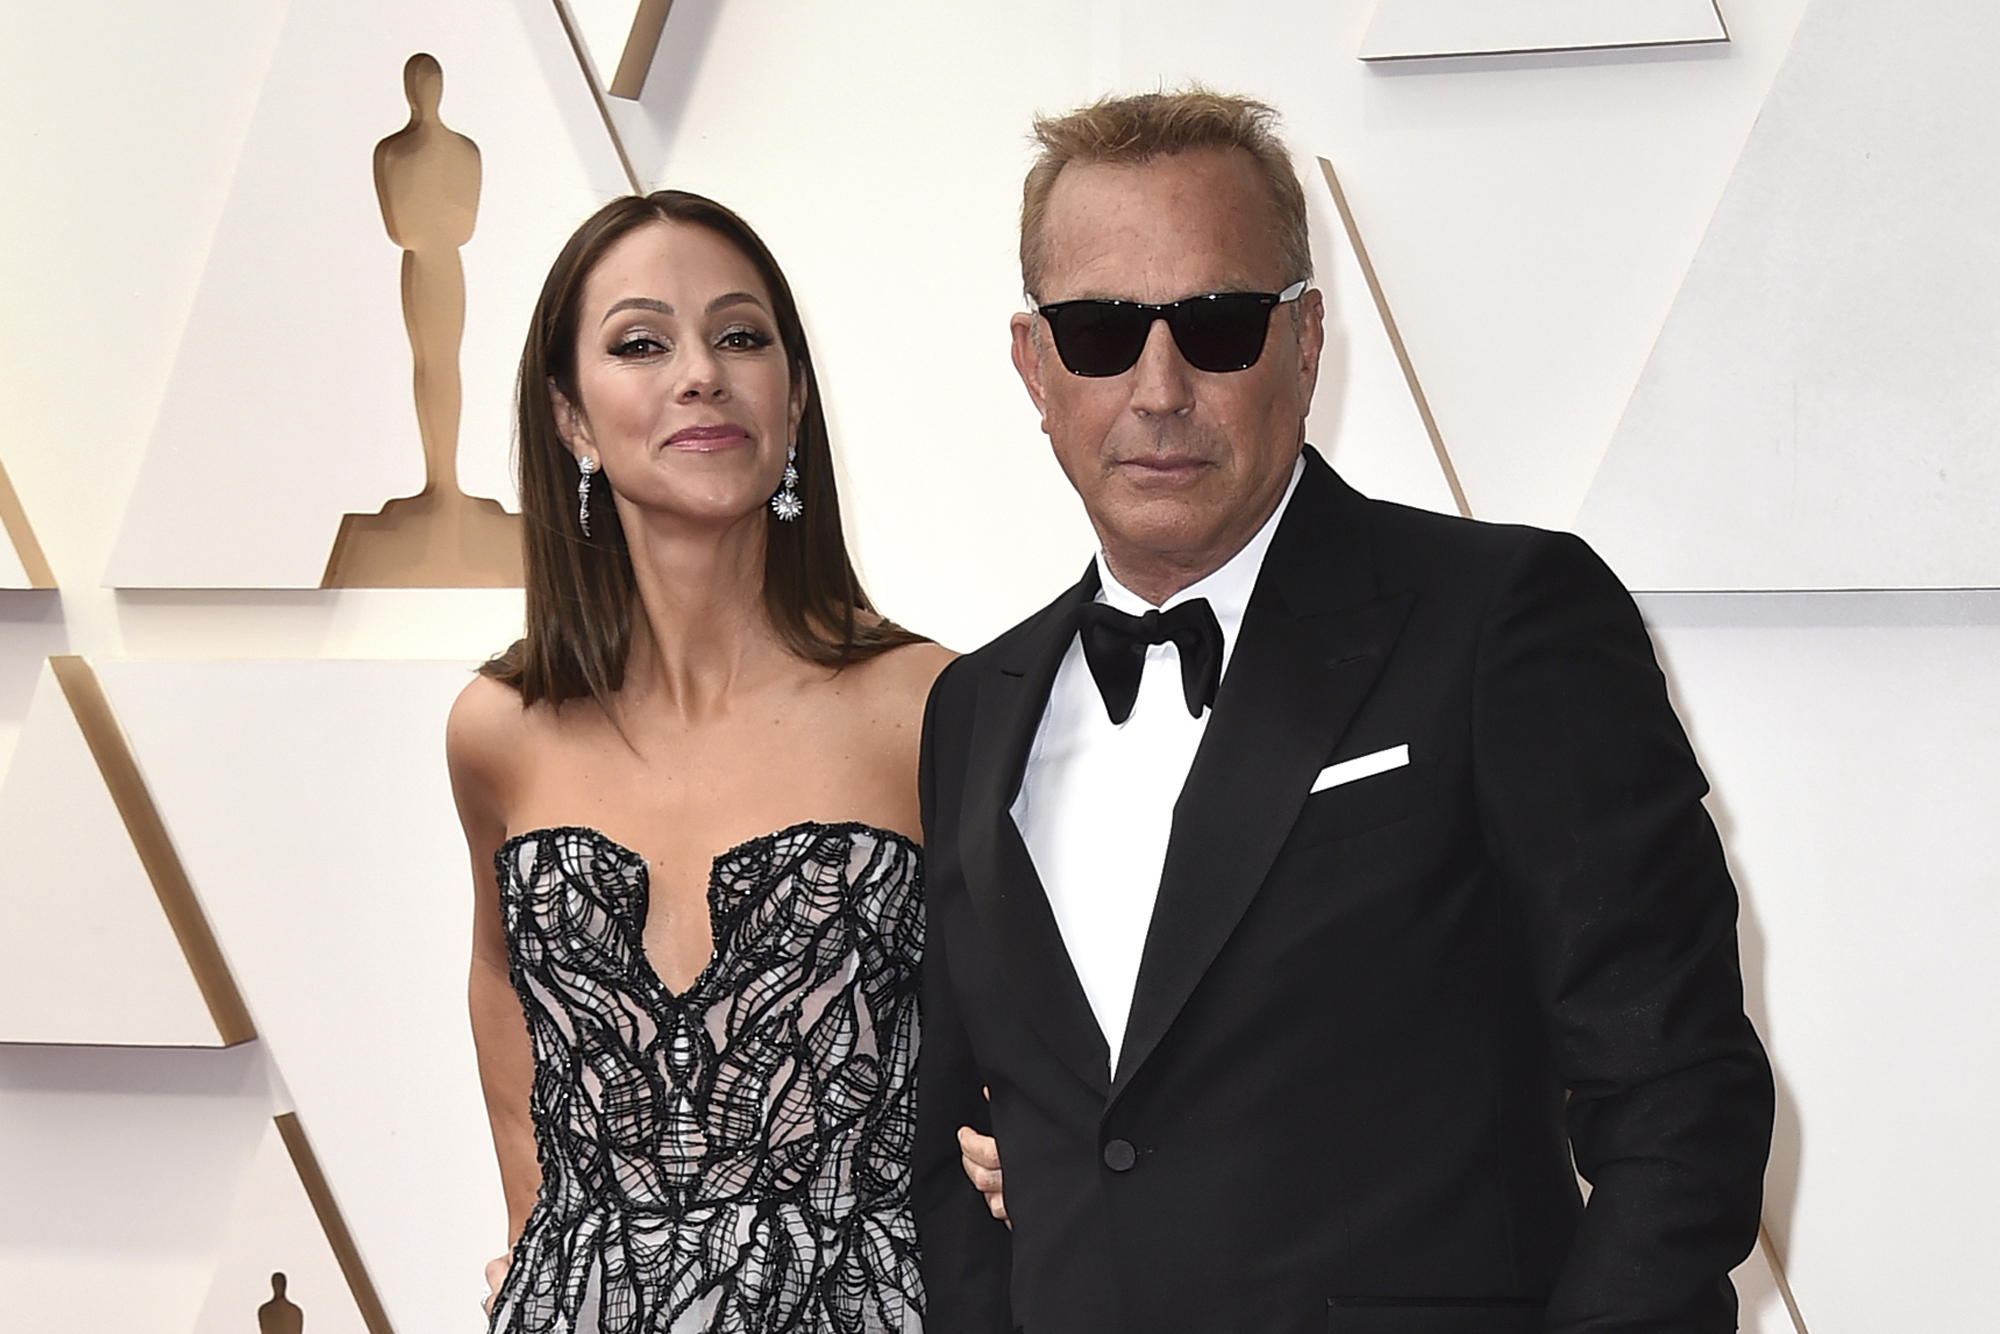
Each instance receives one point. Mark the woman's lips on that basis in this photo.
(699, 438)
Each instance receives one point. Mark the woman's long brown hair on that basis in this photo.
(581, 592)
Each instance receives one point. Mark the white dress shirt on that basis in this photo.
(1096, 804)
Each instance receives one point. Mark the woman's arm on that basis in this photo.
(481, 739)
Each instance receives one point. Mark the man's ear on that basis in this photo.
(570, 423)
(1312, 341)
(1028, 361)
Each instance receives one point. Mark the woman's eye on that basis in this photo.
(637, 345)
(742, 339)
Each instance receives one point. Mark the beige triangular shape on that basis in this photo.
(1818, 412)
(22, 564)
(93, 955)
(274, 1228)
(246, 477)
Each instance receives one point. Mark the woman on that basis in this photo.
(689, 794)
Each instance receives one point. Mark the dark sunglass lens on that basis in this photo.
(1223, 332)
(1098, 338)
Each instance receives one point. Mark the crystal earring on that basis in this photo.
(585, 466)
(786, 504)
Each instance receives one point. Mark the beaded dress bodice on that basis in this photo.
(734, 1157)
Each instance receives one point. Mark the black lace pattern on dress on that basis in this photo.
(734, 1158)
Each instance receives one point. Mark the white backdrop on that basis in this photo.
(1533, 219)
(1821, 407)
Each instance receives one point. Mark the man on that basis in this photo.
(1293, 995)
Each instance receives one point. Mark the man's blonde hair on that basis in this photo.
(1136, 129)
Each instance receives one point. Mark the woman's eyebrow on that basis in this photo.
(637, 303)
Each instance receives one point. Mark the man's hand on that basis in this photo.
(980, 1155)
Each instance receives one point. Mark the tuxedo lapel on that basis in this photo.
(1000, 877)
(1313, 640)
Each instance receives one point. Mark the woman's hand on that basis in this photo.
(980, 1155)
(496, 1274)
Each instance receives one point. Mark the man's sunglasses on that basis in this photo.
(1222, 331)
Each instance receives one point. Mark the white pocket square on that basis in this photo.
(1361, 766)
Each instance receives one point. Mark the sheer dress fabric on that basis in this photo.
(735, 1157)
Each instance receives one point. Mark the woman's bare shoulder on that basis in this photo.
(913, 666)
(484, 736)
(486, 711)
(901, 678)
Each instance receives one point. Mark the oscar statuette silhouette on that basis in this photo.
(427, 179)
(279, 1316)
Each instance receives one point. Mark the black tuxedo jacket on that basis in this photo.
(1371, 1023)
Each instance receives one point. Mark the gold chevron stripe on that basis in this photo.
(306, 1162)
(597, 94)
(1778, 1274)
(155, 848)
(1395, 338)
(640, 45)
(14, 520)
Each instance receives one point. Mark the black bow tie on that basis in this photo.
(1115, 644)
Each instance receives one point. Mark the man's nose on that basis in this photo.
(1162, 381)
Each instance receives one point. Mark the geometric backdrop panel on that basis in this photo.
(1858, 815)
(1821, 406)
(22, 564)
(1407, 29)
(310, 805)
(118, 1169)
(619, 38)
(1761, 1304)
(92, 958)
(273, 1230)
(13, 571)
(290, 403)
(1364, 415)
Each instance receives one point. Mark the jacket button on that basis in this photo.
(1119, 1155)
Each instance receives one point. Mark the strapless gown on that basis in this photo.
(735, 1157)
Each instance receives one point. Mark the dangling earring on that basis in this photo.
(585, 465)
(786, 504)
